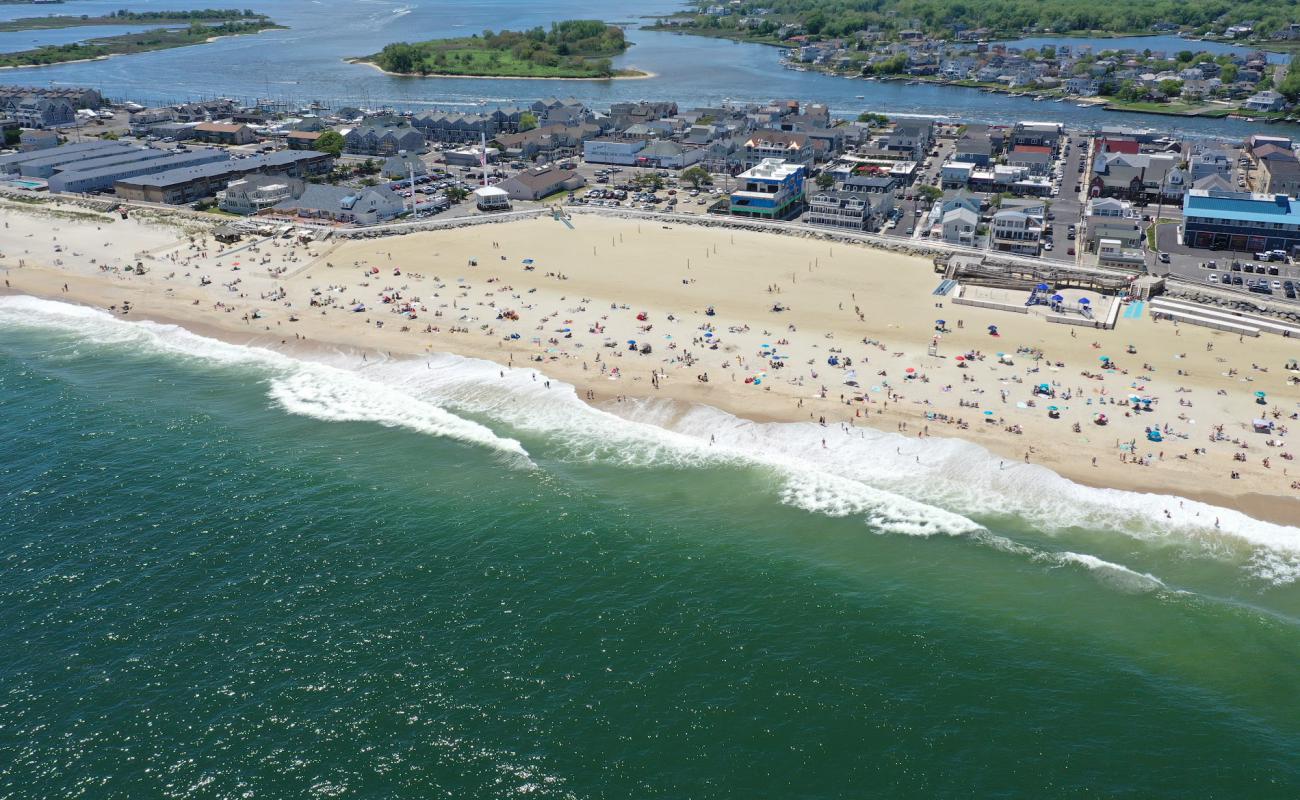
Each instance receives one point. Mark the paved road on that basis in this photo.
(1067, 208)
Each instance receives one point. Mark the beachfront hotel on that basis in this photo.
(771, 190)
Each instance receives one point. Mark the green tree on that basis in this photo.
(330, 142)
(930, 193)
(1289, 87)
(1170, 88)
(527, 121)
(825, 180)
(697, 176)
(455, 194)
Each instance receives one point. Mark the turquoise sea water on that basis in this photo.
(228, 573)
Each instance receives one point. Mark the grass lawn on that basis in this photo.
(470, 60)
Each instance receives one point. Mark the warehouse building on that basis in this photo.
(139, 156)
(104, 178)
(9, 164)
(191, 183)
(48, 161)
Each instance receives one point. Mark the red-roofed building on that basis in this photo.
(1126, 146)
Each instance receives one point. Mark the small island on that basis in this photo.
(124, 17)
(576, 48)
(200, 26)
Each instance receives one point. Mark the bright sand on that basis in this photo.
(835, 296)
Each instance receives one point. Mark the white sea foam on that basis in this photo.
(1114, 575)
(884, 476)
(647, 437)
(898, 484)
(300, 387)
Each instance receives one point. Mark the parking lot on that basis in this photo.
(1190, 264)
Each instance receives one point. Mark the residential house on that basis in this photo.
(1038, 134)
(1209, 162)
(253, 194)
(340, 204)
(1111, 218)
(1279, 175)
(1036, 159)
(383, 140)
(974, 148)
(960, 225)
(911, 137)
(1017, 231)
(1147, 176)
(403, 165)
(837, 209)
(879, 188)
(228, 134)
(1265, 101)
(787, 146)
(534, 184)
(302, 140)
(1083, 86)
(43, 112)
(31, 140)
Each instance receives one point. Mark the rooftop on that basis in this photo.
(1242, 206)
(772, 169)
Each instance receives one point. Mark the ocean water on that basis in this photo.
(226, 572)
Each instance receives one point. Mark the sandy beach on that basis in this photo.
(849, 346)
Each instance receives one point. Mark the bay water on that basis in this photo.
(306, 62)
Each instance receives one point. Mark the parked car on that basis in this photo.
(1164, 258)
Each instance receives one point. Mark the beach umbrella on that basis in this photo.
(1104, 359)
(1083, 301)
(961, 358)
(708, 336)
(993, 327)
(1042, 387)
(941, 322)
(1053, 408)
(1259, 394)
(1042, 287)
(631, 341)
(909, 370)
(528, 261)
(988, 413)
(1056, 298)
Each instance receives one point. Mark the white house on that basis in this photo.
(960, 225)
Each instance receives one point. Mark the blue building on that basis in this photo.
(1240, 221)
(773, 189)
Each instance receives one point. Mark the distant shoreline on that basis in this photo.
(641, 75)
